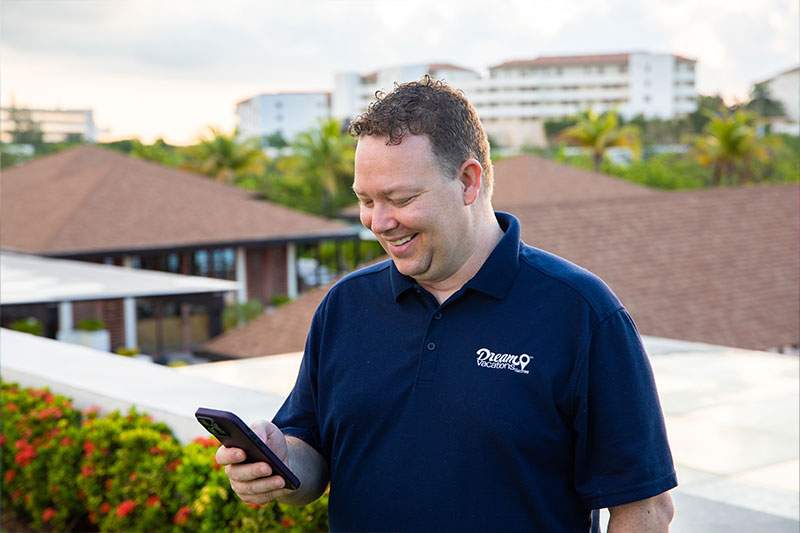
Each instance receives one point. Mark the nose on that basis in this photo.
(380, 218)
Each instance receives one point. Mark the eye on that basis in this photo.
(366, 202)
(403, 201)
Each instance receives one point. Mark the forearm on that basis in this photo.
(652, 515)
(312, 470)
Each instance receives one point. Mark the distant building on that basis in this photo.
(56, 125)
(518, 96)
(97, 205)
(785, 88)
(353, 92)
(284, 113)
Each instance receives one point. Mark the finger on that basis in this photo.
(260, 428)
(261, 499)
(258, 486)
(228, 456)
(248, 472)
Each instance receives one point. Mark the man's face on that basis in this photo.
(416, 212)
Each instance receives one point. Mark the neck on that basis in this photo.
(485, 239)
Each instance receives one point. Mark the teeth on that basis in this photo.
(401, 241)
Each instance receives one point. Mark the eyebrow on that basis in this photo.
(390, 191)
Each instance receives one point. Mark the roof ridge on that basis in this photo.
(98, 184)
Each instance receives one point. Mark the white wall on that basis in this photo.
(786, 89)
(111, 381)
(287, 113)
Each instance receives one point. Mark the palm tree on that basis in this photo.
(729, 146)
(326, 158)
(223, 157)
(598, 133)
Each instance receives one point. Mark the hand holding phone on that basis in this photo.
(242, 445)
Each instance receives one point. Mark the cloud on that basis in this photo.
(128, 59)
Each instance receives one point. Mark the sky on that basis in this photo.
(170, 69)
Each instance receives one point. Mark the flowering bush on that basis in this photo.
(65, 470)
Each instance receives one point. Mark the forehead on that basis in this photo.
(380, 167)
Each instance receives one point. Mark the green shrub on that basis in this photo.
(127, 352)
(90, 324)
(64, 470)
(28, 325)
(236, 314)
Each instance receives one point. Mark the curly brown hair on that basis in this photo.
(430, 107)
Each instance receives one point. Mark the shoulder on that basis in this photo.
(568, 280)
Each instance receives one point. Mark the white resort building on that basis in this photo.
(514, 98)
(285, 113)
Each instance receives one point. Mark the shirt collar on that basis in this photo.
(496, 275)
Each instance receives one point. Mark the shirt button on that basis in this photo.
(431, 346)
(437, 316)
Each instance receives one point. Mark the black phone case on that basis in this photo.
(231, 431)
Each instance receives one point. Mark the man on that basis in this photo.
(470, 383)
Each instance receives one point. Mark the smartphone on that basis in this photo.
(233, 433)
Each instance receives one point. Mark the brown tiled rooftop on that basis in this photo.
(90, 199)
(532, 180)
(720, 266)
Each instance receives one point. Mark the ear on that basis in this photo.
(471, 177)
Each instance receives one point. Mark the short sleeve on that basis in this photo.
(621, 449)
(298, 416)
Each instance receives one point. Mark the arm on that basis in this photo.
(651, 515)
(254, 482)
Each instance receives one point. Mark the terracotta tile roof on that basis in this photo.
(532, 180)
(555, 61)
(720, 266)
(448, 66)
(92, 199)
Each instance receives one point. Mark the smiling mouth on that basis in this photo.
(401, 242)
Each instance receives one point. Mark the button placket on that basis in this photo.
(430, 349)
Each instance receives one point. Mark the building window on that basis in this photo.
(201, 263)
(173, 262)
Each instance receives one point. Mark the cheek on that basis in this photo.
(365, 217)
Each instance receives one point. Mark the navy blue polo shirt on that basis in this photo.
(519, 404)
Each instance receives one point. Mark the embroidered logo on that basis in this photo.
(488, 359)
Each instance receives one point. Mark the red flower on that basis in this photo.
(12, 407)
(48, 514)
(2, 439)
(16, 495)
(109, 484)
(87, 471)
(155, 450)
(173, 465)
(153, 500)
(66, 441)
(92, 518)
(125, 508)
(105, 507)
(182, 516)
(88, 448)
(133, 476)
(49, 398)
(91, 410)
(206, 442)
(25, 456)
(253, 505)
(287, 522)
(10, 475)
